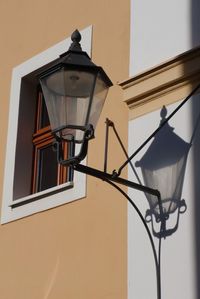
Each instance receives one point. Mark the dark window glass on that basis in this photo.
(48, 168)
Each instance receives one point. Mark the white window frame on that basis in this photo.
(55, 196)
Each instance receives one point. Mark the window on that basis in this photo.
(26, 189)
(36, 170)
(46, 175)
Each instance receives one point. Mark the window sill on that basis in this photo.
(36, 196)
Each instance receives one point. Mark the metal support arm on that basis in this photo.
(106, 176)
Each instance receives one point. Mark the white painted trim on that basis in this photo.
(79, 190)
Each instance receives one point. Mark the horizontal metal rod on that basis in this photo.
(106, 176)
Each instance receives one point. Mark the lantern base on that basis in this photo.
(73, 160)
(68, 133)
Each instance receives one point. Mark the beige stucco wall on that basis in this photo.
(78, 250)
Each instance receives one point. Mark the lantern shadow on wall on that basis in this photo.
(163, 167)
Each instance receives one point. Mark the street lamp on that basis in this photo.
(75, 90)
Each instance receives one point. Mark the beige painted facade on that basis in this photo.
(78, 250)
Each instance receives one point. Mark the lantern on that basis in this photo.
(75, 90)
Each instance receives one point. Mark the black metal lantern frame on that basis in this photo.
(75, 89)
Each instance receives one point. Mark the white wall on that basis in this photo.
(161, 30)
(179, 260)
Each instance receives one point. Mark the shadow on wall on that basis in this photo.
(195, 23)
(163, 167)
(195, 109)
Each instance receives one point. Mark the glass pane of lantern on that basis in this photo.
(100, 93)
(75, 112)
(67, 95)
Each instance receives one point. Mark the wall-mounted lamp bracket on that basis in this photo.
(107, 176)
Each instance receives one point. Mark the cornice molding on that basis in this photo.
(163, 84)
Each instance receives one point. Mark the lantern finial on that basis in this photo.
(163, 113)
(76, 38)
